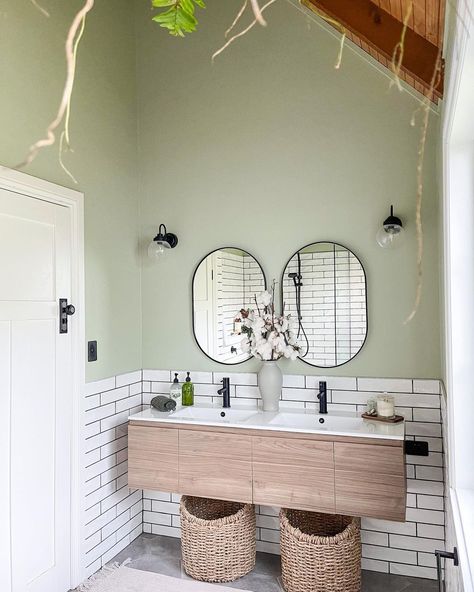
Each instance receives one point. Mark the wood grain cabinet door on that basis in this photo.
(370, 480)
(293, 473)
(215, 464)
(153, 458)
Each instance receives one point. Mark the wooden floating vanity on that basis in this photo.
(359, 476)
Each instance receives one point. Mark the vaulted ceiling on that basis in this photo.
(376, 26)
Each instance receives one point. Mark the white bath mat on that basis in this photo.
(119, 578)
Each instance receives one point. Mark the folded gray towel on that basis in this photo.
(163, 403)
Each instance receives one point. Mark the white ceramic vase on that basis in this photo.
(270, 380)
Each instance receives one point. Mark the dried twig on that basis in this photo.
(426, 108)
(243, 32)
(40, 8)
(50, 138)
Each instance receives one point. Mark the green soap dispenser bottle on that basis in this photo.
(188, 392)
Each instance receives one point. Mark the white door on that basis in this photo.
(35, 395)
(203, 306)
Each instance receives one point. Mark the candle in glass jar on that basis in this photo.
(385, 406)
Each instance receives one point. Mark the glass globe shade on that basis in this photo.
(390, 236)
(157, 249)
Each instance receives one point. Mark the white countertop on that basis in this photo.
(285, 420)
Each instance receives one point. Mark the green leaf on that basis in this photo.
(179, 17)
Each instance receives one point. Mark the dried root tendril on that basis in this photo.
(237, 19)
(335, 23)
(243, 32)
(425, 108)
(399, 49)
(40, 8)
(50, 137)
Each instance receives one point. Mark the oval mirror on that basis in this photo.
(324, 288)
(224, 282)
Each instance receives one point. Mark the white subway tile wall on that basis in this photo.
(113, 512)
(390, 547)
(332, 303)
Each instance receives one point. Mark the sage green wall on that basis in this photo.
(103, 132)
(269, 149)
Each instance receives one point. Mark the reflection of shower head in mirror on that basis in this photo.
(297, 282)
(296, 277)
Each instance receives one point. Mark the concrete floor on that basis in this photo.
(162, 554)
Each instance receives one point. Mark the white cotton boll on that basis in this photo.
(264, 298)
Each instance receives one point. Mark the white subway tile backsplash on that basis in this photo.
(99, 386)
(413, 570)
(425, 516)
(393, 385)
(427, 559)
(295, 394)
(115, 395)
(370, 537)
(128, 378)
(414, 543)
(425, 487)
(413, 428)
(249, 392)
(429, 473)
(242, 378)
(427, 386)
(119, 515)
(389, 554)
(432, 415)
(375, 565)
(407, 528)
(100, 412)
(333, 382)
(293, 381)
(196, 377)
(157, 375)
(431, 531)
(166, 530)
(434, 459)
(92, 401)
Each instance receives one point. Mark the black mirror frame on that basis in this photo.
(366, 299)
(192, 302)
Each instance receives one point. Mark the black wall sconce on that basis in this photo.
(391, 234)
(162, 242)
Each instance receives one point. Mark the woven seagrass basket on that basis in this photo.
(217, 539)
(320, 552)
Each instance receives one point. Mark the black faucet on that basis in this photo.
(323, 397)
(225, 392)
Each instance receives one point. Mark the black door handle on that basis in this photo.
(65, 311)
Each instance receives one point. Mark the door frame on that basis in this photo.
(36, 188)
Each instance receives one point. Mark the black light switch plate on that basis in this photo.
(92, 351)
(416, 448)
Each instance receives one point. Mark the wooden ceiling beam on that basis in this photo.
(382, 31)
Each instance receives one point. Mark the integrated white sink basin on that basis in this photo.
(213, 414)
(314, 420)
(294, 420)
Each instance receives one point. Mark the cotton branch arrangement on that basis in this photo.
(269, 336)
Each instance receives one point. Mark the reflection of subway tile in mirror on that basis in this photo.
(333, 303)
(225, 282)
